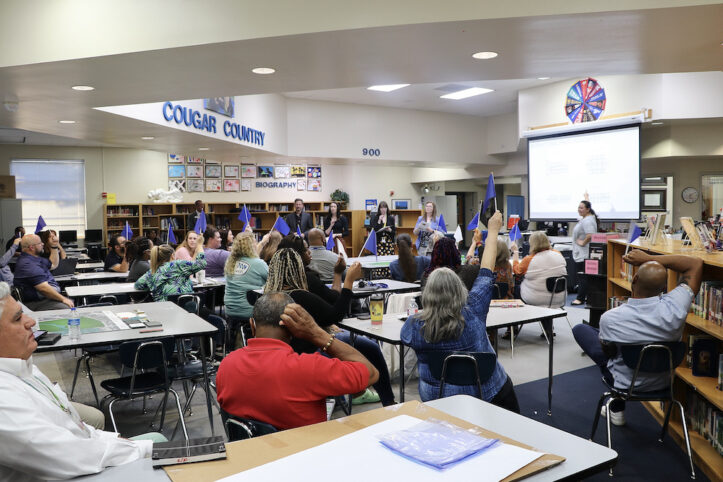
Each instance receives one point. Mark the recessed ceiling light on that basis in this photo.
(656, 123)
(66, 121)
(387, 88)
(485, 55)
(203, 148)
(463, 94)
(543, 78)
(263, 70)
(82, 87)
(147, 138)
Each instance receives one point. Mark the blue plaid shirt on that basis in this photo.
(473, 338)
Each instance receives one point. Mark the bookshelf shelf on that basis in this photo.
(704, 454)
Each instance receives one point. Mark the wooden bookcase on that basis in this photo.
(704, 454)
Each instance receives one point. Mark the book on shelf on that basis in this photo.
(626, 271)
(705, 419)
(708, 302)
(616, 301)
(704, 357)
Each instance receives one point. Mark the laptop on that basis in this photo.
(65, 266)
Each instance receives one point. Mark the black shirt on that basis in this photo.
(111, 260)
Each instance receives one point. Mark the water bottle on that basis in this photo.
(74, 325)
(412, 308)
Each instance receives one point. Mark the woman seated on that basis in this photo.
(446, 255)
(503, 270)
(50, 242)
(286, 273)
(138, 254)
(244, 272)
(455, 320)
(169, 276)
(190, 247)
(542, 263)
(407, 267)
(268, 245)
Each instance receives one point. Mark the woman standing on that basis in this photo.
(581, 236)
(383, 225)
(426, 226)
(190, 247)
(335, 223)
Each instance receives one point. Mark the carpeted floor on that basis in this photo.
(575, 396)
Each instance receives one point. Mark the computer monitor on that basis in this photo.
(93, 236)
(68, 236)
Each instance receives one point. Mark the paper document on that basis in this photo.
(373, 461)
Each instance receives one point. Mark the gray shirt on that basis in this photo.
(587, 225)
(323, 261)
(6, 273)
(645, 320)
(138, 269)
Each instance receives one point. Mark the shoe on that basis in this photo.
(506, 335)
(367, 397)
(616, 418)
(577, 302)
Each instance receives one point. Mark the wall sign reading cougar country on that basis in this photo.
(207, 122)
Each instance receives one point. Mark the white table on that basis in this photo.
(101, 289)
(391, 328)
(91, 265)
(93, 276)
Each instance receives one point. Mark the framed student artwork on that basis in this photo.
(213, 170)
(245, 184)
(313, 185)
(298, 171)
(313, 172)
(401, 203)
(213, 185)
(194, 185)
(282, 172)
(653, 199)
(230, 170)
(301, 185)
(231, 185)
(176, 159)
(248, 170)
(194, 160)
(194, 171)
(179, 184)
(176, 171)
(266, 171)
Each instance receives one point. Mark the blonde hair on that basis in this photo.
(539, 242)
(244, 246)
(160, 255)
(271, 246)
(184, 244)
(286, 269)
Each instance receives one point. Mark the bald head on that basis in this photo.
(650, 280)
(31, 244)
(316, 237)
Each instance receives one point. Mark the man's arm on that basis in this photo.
(301, 325)
(46, 290)
(490, 252)
(9, 253)
(690, 268)
(339, 269)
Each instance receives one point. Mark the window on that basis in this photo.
(52, 189)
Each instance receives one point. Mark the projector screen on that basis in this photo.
(605, 163)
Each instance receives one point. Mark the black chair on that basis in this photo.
(252, 296)
(239, 428)
(500, 290)
(15, 293)
(149, 375)
(652, 358)
(462, 368)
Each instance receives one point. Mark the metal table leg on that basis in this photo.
(548, 328)
(206, 383)
(401, 373)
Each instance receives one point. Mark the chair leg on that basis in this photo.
(75, 377)
(163, 411)
(610, 436)
(596, 418)
(188, 400)
(512, 340)
(92, 382)
(568, 322)
(112, 418)
(180, 413)
(687, 438)
(665, 422)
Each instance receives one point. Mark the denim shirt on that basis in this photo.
(473, 338)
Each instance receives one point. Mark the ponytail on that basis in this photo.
(160, 255)
(588, 205)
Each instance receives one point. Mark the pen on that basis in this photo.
(151, 330)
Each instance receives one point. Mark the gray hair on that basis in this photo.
(4, 293)
(443, 298)
(539, 242)
(268, 308)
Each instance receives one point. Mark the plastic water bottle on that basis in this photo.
(74, 325)
(412, 308)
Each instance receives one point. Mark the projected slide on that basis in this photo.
(604, 163)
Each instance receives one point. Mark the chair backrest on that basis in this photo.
(110, 299)
(221, 336)
(15, 293)
(252, 296)
(146, 355)
(657, 357)
(189, 302)
(462, 368)
(238, 428)
(556, 284)
(501, 290)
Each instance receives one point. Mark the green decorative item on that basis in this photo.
(341, 198)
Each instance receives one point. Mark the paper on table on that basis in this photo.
(362, 449)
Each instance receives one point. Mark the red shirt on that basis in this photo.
(269, 382)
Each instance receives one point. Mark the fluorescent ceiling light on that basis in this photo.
(656, 123)
(387, 88)
(263, 70)
(83, 87)
(66, 121)
(485, 55)
(147, 138)
(542, 78)
(463, 94)
(203, 148)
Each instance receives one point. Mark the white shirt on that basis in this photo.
(543, 265)
(40, 440)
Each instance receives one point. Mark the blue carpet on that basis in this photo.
(574, 398)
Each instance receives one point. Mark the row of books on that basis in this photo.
(164, 223)
(708, 303)
(616, 301)
(122, 211)
(705, 419)
(119, 224)
(626, 271)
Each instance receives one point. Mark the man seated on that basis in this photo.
(215, 257)
(322, 260)
(650, 315)
(116, 259)
(42, 434)
(38, 288)
(267, 381)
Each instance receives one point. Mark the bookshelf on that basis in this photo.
(686, 385)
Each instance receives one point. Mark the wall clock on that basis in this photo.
(690, 194)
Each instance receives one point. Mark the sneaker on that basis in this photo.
(367, 397)
(616, 418)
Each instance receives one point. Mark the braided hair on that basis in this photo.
(286, 270)
(444, 254)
